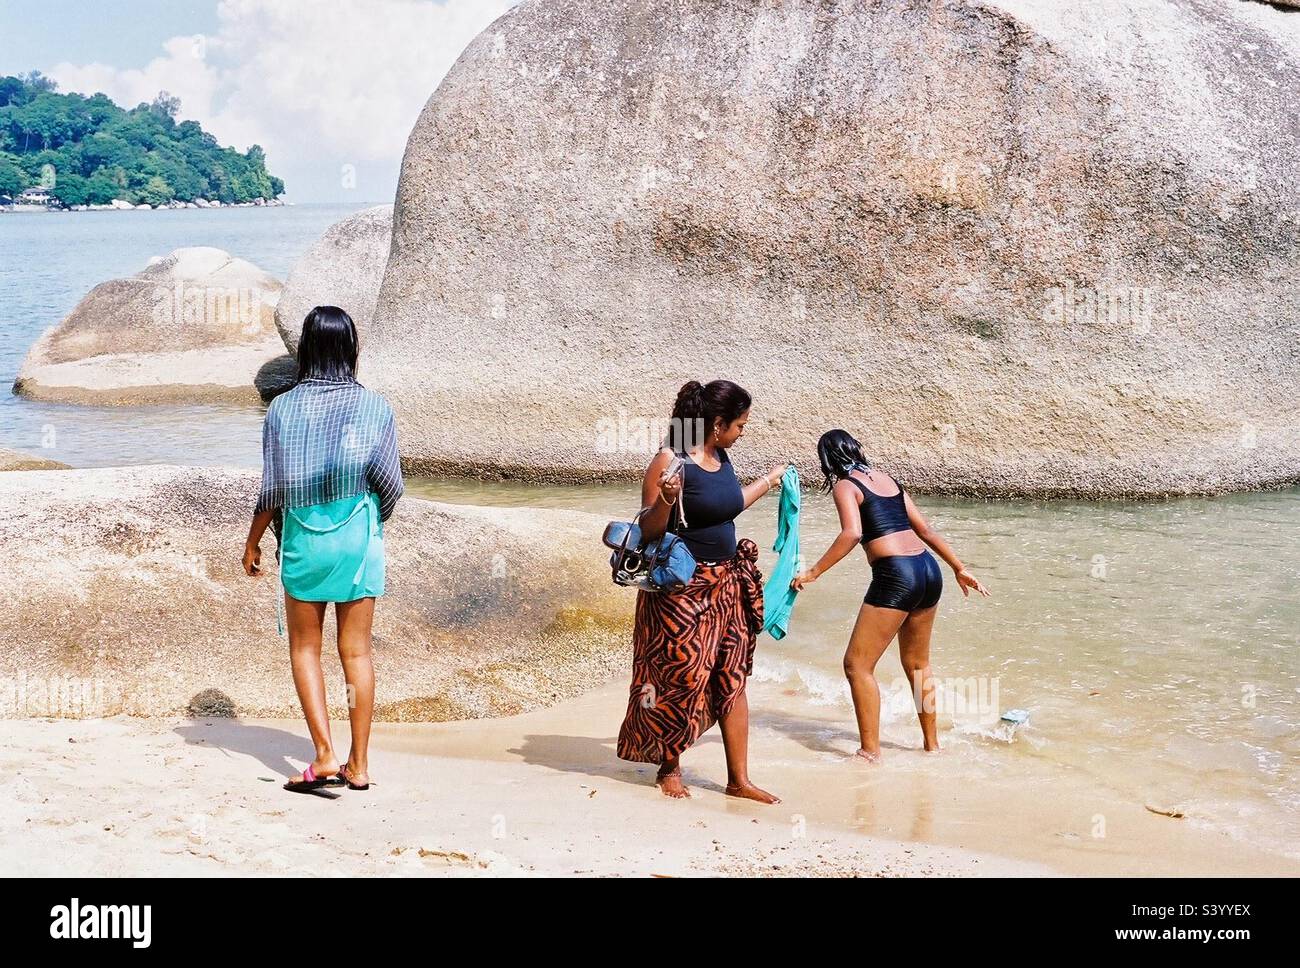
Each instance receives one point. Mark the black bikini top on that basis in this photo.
(881, 515)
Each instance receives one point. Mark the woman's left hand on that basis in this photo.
(969, 583)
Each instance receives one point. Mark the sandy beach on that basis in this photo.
(543, 794)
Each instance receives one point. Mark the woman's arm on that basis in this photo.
(758, 488)
(253, 553)
(934, 539)
(384, 470)
(269, 497)
(850, 536)
(659, 495)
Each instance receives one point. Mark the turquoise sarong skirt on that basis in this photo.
(333, 552)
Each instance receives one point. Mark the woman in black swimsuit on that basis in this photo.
(903, 596)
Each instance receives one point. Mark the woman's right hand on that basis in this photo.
(252, 560)
(670, 488)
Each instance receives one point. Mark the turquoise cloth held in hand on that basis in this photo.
(778, 596)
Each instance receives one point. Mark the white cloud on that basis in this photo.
(178, 70)
(343, 79)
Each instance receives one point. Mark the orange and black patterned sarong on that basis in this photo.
(691, 653)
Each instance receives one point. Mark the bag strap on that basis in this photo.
(663, 546)
(664, 549)
(627, 536)
(620, 553)
(679, 509)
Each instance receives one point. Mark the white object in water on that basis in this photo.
(1016, 717)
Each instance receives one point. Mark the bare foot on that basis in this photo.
(747, 791)
(670, 784)
(355, 777)
(868, 756)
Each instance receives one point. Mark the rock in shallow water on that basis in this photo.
(1016, 247)
(194, 326)
(129, 598)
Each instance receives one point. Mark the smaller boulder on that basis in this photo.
(196, 326)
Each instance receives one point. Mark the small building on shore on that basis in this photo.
(36, 195)
(35, 199)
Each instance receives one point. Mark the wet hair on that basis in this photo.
(839, 453)
(327, 349)
(698, 405)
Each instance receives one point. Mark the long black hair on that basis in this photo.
(839, 453)
(327, 349)
(698, 405)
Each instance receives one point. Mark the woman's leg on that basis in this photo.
(355, 620)
(734, 724)
(872, 633)
(663, 694)
(669, 779)
(304, 620)
(914, 650)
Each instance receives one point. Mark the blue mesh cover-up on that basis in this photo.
(330, 468)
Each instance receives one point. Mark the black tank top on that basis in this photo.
(710, 500)
(881, 515)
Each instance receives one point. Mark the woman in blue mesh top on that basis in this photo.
(330, 478)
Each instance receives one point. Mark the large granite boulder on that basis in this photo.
(195, 326)
(129, 597)
(1016, 246)
(344, 268)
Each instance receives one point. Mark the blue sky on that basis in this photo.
(39, 35)
(330, 88)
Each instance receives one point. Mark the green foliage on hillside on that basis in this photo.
(96, 151)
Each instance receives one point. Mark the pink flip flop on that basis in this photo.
(310, 781)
